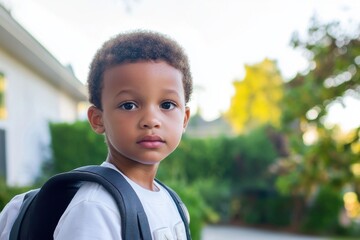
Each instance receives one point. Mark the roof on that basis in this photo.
(19, 43)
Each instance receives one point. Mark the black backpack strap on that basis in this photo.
(131, 209)
(181, 208)
(36, 222)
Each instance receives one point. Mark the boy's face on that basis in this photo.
(144, 112)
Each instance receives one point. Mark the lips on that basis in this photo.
(151, 141)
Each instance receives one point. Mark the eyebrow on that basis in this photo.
(171, 91)
(130, 91)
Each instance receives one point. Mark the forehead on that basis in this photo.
(143, 76)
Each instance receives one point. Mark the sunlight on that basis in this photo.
(352, 205)
(355, 169)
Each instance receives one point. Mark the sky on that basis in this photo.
(219, 36)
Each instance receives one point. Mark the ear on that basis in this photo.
(96, 120)
(186, 117)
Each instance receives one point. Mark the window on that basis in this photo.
(3, 112)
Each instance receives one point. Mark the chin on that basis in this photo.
(149, 159)
(149, 163)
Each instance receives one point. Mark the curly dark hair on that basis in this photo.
(132, 47)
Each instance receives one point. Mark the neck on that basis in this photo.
(141, 174)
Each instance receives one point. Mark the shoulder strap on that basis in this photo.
(131, 209)
(36, 221)
(181, 208)
(28, 198)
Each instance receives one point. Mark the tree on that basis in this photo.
(334, 59)
(333, 54)
(257, 97)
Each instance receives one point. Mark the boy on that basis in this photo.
(139, 85)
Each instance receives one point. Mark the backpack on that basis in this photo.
(36, 222)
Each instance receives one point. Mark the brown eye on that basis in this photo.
(168, 105)
(128, 106)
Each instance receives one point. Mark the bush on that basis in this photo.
(217, 195)
(223, 168)
(196, 159)
(252, 155)
(7, 193)
(261, 207)
(199, 211)
(74, 145)
(323, 215)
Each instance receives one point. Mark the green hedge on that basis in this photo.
(74, 145)
(200, 212)
(322, 215)
(7, 192)
(261, 207)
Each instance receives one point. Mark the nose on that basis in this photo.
(150, 119)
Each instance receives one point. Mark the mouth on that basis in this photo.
(151, 141)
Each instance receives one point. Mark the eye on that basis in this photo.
(128, 106)
(168, 105)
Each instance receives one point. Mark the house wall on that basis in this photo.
(31, 103)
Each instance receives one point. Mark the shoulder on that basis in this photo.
(13, 205)
(93, 193)
(92, 214)
(9, 214)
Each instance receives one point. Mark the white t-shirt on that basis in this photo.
(93, 214)
(8, 215)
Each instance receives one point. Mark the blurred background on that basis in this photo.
(273, 140)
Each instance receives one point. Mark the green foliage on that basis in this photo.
(197, 159)
(74, 145)
(199, 211)
(237, 159)
(223, 168)
(261, 207)
(253, 155)
(7, 193)
(217, 195)
(323, 214)
(333, 74)
(202, 164)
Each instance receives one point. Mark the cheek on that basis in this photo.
(178, 127)
(177, 135)
(176, 121)
(119, 136)
(117, 128)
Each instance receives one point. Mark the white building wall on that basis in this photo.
(31, 103)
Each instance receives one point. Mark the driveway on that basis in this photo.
(235, 233)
